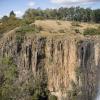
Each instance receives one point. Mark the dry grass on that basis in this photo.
(52, 26)
(0, 23)
(55, 26)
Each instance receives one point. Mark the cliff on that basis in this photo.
(68, 66)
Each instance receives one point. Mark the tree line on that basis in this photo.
(70, 14)
(10, 22)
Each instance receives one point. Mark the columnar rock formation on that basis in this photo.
(70, 65)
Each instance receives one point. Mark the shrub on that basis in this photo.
(36, 96)
(9, 72)
(75, 24)
(10, 24)
(40, 86)
(19, 38)
(52, 97)
(39, 18)
(28, 29)
(26, 22)
(23, 30)
(77, 31)
(73, 94)
(91, 31)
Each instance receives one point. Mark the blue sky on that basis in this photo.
(19, 6)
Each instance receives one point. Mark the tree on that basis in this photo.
(4, 19)
(28, 16)
(72, 13)
(97, 15)
(12, 14)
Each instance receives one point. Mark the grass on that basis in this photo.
(52, 25)
(91, 31)
(77, 24)
(27, 29)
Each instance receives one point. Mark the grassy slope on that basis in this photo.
(53, 26)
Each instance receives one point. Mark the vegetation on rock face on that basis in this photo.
(27, 29)
(8, 74)
(74, 92)
(52, 97)
(36, 88)
(40, 87)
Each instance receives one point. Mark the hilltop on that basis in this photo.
(54, 28)
(67, 27)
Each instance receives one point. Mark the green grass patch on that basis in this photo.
(92, 31)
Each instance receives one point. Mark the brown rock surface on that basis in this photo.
(71, 63)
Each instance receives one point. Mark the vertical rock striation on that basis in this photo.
(69, 65)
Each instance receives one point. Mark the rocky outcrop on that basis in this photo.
(69, 65)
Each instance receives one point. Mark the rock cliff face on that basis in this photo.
(69, 66)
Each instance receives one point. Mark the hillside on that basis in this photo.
(58, 27)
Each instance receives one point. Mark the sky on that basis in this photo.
(20, 6)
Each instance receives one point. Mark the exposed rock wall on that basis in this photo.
(71, 65)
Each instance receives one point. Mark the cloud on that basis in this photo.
(19, 13)
(73, 1)
(31, 4)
